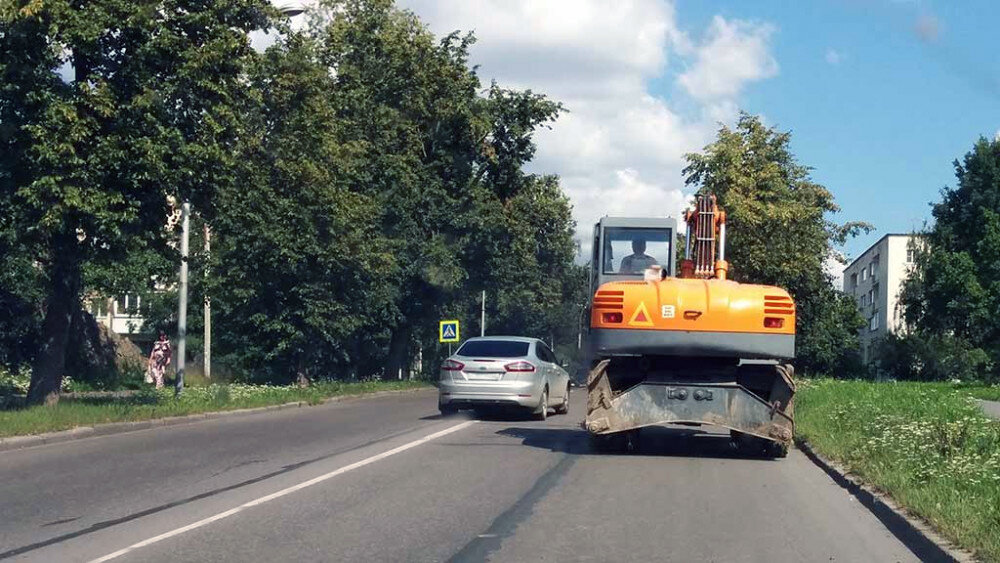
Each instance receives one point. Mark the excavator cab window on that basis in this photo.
(630, 250)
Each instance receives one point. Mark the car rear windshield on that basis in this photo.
(494, 349)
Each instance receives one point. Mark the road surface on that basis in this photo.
(387, 479)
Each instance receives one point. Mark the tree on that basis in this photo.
(779, 233)
(152, 109)
(951, 300)
(443, 163)
(302, 269)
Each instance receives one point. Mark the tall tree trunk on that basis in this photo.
(62, 301)
(398, 363)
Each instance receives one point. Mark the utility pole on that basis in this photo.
(183, 301)
(482, 317)
(207, 353)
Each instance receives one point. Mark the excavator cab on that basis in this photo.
(625, 246)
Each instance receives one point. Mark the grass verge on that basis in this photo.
(151, 404)
(927, 445)
(987, 393)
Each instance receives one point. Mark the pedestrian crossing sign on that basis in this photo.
(448, 331)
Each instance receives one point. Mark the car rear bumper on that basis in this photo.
(479, 393)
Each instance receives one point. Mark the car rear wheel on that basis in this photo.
(447, 410)
(543, 408)
(564, 407)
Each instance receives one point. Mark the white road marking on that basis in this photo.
(284, 492)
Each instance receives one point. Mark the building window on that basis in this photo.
(854, 280)
(864, 274)
(874, 293)
(911, 255)
(873, 321)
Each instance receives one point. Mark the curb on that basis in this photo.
(914, 533)
(80, 432)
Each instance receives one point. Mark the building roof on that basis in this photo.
(876, 243)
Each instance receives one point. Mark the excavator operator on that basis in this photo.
(638, 261)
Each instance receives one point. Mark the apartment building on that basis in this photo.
(875, 279)
(122, 314)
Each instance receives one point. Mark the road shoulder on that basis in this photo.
(916, 534)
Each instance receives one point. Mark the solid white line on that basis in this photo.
(284, 492)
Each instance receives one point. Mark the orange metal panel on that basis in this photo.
(697, 305)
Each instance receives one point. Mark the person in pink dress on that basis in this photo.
(159, 359)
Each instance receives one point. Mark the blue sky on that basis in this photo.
(908, 88)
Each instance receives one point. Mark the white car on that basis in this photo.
(496, 371)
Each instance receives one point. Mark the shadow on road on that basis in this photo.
(652, 441)
(488, 415)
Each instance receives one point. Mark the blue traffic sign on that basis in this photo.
(448, 331)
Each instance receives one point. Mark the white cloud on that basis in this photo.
(619, 149)
(833, 56)
(734, 53)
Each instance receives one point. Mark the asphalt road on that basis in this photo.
(386, 479)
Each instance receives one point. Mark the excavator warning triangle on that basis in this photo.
(641, 316)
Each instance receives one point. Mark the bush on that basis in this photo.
(924, 357)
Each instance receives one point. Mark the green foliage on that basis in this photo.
(926, 356)
(929, 446)
(300, 268)
(153, 109)
(951, 300)
(778, 233)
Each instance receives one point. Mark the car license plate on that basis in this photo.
(483, 376)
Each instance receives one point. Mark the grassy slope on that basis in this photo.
(151, 404)
(927, 445)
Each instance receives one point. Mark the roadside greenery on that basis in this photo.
(152, 404)
(928, 445)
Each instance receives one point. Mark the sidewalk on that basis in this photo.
(991, 408)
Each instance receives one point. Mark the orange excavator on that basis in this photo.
(691, 349)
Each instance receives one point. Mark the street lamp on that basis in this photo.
(290, 9)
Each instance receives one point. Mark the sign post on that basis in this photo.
(448, 331)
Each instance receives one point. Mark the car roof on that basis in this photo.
(509, 338)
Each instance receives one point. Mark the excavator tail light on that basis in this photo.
(773, 322)
(611, 317)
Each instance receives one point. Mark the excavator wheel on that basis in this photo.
(758, 447)
(617, 443)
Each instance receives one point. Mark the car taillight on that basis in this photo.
(611, 317)
(520, 366)
(773, 322)
(452, 365)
